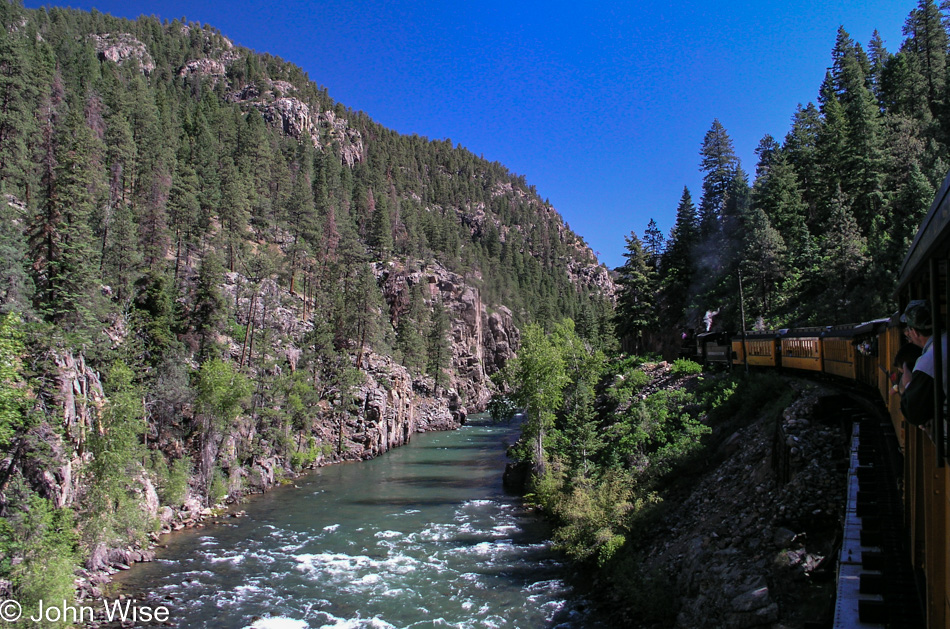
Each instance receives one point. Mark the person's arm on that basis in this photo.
(917, 402)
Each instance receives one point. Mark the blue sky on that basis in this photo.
(601, 105)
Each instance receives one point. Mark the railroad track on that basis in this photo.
(876, 584)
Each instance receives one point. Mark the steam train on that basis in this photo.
(864, 353)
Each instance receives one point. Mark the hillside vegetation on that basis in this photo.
(216, 276)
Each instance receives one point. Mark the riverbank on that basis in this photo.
(93, 580)
(425, 533)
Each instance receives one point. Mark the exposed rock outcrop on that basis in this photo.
(121, 47)
(80, 397)
(204, 67)
(482, 341)
(291, 116)
(295, 118)
(337, 129)
(51, 458)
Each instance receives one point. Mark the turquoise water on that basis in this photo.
(423, 536)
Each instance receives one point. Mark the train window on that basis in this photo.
(801, 348)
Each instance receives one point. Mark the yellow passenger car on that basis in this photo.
(838, 350)
(757, 349)
(801, 348)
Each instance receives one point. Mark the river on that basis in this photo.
(423, 536)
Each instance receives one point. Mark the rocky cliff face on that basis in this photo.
(279, 107)
(60, 454)
(483, 340)
(387, 407)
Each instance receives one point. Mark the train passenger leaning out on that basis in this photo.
(917, 401)
(904, 363)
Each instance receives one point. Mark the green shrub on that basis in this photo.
(594, 516)
(685, 367)
(218, 491)
(501, 408)
(175, 489)
(306, 457)
(626, 384)
(38, 555)
(742, 398)
(114, 502)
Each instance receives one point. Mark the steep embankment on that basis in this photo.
(747, 538)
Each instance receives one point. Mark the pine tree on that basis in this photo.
(848, 58)
(766, 151)
(801, 148)
(927, 42)
(120, 262)
(17, 124)
(409, 331)
(831, 150)
(153, 172)
(904, 90)
(45, 224)
(233, 212)
(210, 310)
(653, 241)
(121, 153)
(735, 211)
(366, 310)
(154, 238)
(764, 260)
(719, 163)
(721, 215)
(862, 159)
(678, 263)
(909, 209)
(635, 299)
(184, 211)
(879, 58)
(62, 229)
(301, 219)
(16, 285)
(844, 263)
(438, 350)
(776, 192)
(381, 230)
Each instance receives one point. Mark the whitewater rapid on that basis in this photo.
(423, 536)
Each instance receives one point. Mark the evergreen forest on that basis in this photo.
(817, 234)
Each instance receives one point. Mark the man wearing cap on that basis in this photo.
(917, 401)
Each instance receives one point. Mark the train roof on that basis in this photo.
(812, 332)
(757, 334)
(931, 237)
(856, 329)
